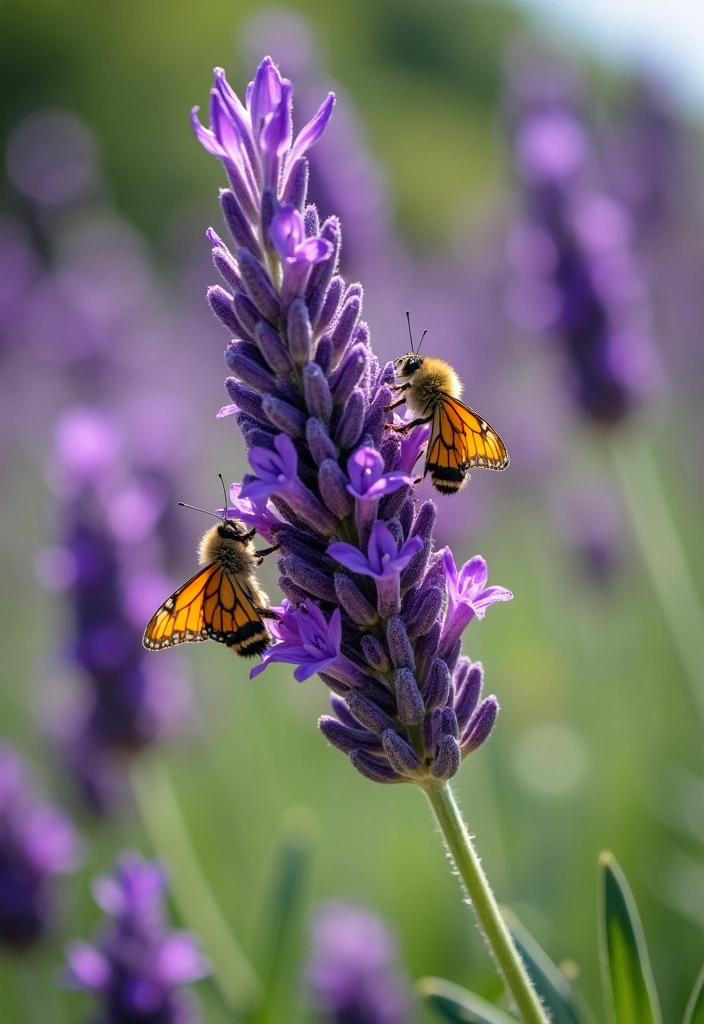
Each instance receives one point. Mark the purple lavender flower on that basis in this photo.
(262, 518)
(276, 471)
(577, 275)
(37, 841)
(138, 967)
(371, 606)
(368, 481)
(298, 254)
(113, 580)
(467, 596)
(384, 562)
(352, 973)
(307, 640)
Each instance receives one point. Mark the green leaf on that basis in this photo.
(282, 916)
(458, 1006)
(628, 980)
(694, 1014)
(548, 981)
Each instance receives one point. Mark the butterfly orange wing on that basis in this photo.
(461, 440)
(212, 605)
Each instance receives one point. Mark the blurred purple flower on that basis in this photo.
(51, 158)
(37, 841)
(111, 576)
(352, 973)
(577, 275)
(138, 967)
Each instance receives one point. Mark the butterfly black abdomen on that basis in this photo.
(449, 479)
(250, 639)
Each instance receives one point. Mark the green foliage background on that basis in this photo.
(427, 78)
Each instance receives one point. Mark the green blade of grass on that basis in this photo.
(282, 915)
(458, 1006)
(548, 981)
(694, 1014)
(629, 990)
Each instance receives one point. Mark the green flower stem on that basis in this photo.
(167, 831)
(663, 554)
(491, 923)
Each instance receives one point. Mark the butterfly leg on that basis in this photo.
(404, 428)
(398, 388)
(266, 551)
(394, 405)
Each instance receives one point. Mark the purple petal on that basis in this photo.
(229, 96)
(206, 137)
(490, 596)
(265, 463)
(276, 136)
(50, 840)
(381, 542)
(314, 250)
(364, 467)
(473, 575)
(286, 230)
(389, 483)
(236, 110)
(351, 557)
(304, 672)
(227, 410)
(179, 960)
(311, 132)
(412, 445)
(287, 450)
(265, 94)
(262, 519)
(258, 492)
(108, 895)
(312, 624)
(87, 968)
(450, 568)
(223, 128)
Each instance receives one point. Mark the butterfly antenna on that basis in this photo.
(224, 491)
(195, 508)
(421, 342)
(410, 332)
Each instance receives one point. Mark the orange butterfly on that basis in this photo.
(222, 602)
(460, 439)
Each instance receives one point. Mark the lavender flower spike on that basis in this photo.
(371, 608)
(313, 410)
(37, 841)
(351, 974)
(138, 968)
